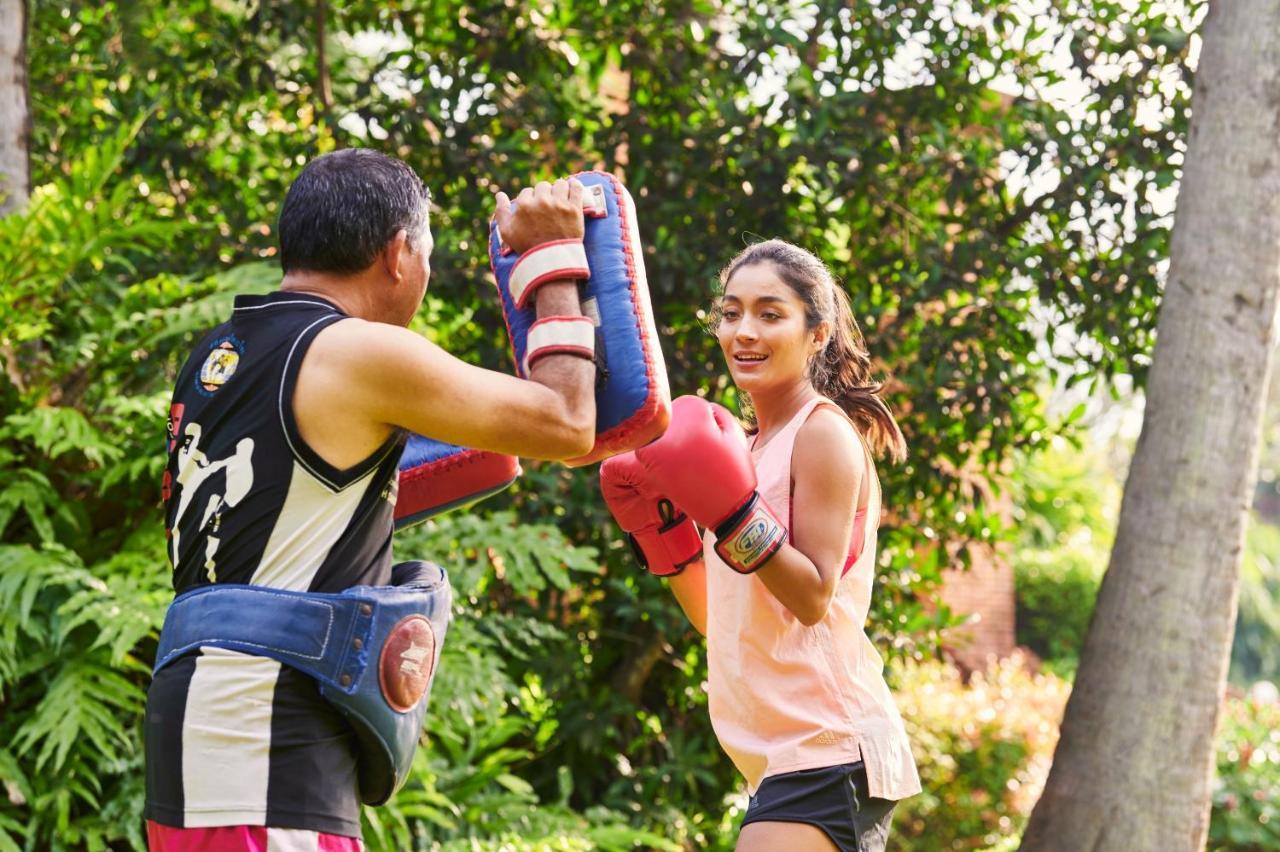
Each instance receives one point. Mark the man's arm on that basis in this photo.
(571, 377)
(361, 379)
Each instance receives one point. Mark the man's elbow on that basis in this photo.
(576, 435)
(582, 441)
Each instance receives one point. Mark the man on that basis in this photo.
(285, 431)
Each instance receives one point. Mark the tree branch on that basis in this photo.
(323, 84)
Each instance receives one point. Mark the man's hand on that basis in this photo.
(542, 214)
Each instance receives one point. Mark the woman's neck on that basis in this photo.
(776, 408)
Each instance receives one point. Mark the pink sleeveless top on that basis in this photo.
(783, 696)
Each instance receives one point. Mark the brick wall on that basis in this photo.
(985, 593)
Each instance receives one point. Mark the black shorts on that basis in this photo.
(833, 799)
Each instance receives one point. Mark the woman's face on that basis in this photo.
(762, 330)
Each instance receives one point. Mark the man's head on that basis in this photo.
(353, 209)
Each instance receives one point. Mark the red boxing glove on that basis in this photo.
(702, 462)
(664, 539)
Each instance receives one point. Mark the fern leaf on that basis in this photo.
(10, 832)
(87, 704)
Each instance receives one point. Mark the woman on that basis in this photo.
(780, 584)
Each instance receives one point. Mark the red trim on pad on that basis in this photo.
(453, 479)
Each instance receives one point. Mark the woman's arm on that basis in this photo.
(828, 466)
(690, 589)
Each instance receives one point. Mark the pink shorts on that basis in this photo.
(245, 838)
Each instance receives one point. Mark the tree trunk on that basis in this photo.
(15, 115)
(1134, 765)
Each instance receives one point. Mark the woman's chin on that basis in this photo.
(747, 380)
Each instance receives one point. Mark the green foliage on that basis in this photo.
(82, 585)
(983, 751)
(1067, 502)
(491, 715)
(1253, 653)
(1056, 593)
(71, 691)
(1246, 797)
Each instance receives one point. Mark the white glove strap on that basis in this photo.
(557, 260)
(560, 335)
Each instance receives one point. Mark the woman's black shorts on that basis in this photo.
(833, 799)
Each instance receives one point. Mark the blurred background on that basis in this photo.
(993, 183)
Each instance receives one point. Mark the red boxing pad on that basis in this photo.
(436, 477)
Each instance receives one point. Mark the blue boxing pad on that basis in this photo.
(633, 401)
(436, 477)
(373, 651)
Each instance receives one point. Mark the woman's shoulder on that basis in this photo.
(828, 441)
(828, 422)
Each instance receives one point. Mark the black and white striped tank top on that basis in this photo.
(233, 739)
